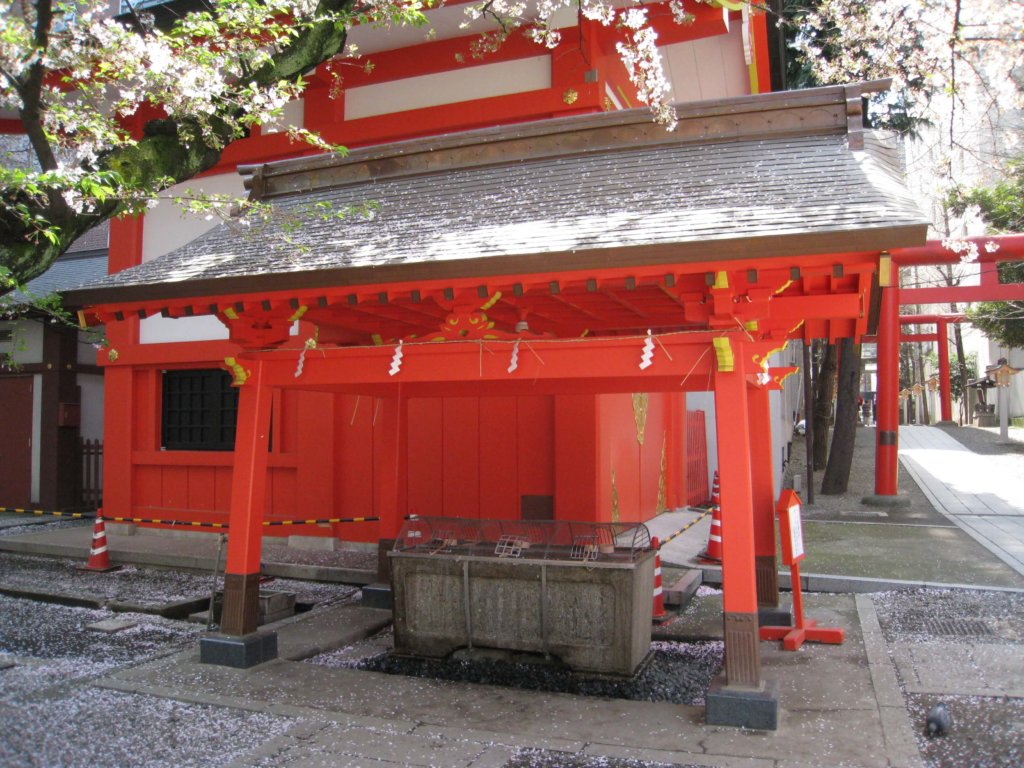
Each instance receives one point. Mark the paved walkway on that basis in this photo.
(983, 495)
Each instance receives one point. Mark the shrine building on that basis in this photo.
(538, 303)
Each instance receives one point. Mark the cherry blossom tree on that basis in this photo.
(117, 109)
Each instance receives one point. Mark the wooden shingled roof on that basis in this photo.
(754, 177)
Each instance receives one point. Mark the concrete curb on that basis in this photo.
(900, 745)
(821, 582)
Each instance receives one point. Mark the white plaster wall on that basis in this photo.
(160, 330)
(462, 84)
(26, 344)
(167, 227)
(87, 353)
(91, 392)
(443, 23)
(292, 116)
(708, 68)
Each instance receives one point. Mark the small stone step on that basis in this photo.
(110, 626)
(679, 594)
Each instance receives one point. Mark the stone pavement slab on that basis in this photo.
(982, 494)
(958, 668)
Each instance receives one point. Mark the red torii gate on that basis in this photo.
(1010, 248)
(941, 337)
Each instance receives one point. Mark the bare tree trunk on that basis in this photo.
(840, 458)
(919, 360)
(824, 392)
(961, 364)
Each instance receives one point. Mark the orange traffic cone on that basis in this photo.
(714, 548)
(658, 608)
(714, 491)
(99, 558)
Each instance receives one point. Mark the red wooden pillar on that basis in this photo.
(248, 502)
(119, 394)
(763, 494)
(945, 392)
(742, 655)
(887, 428)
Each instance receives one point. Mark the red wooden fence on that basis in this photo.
(92, 473)
(696, 459)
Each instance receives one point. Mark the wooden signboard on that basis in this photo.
(790, 530)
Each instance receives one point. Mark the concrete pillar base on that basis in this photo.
(875, 500)
(742, 707)
(378, 595)
(238, 651)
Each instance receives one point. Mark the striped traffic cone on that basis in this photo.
(658, 607)
(99, 558)
(713, 552)
(714, 548)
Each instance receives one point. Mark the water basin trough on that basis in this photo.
(577, 591)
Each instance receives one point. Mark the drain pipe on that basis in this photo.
(213, 587)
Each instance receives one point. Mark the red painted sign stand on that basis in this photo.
(791, 533)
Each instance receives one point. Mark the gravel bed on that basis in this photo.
(130, 584)
(93, 728)
(53, 716)
(147, 588)
(21, 524)
(676, 672)
(55, 632)
(355, 559)
(987, 732)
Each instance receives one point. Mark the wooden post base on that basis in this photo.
(793, 637)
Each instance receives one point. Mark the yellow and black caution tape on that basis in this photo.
(686, 527)
(323, 521)
(190, 523)
(161, 521)
(53, 513)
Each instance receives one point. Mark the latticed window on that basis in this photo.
(200, 409)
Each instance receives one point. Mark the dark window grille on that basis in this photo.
(200, 410)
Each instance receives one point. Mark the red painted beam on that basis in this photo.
(930, 319)
(1011, 248)
(962, 294)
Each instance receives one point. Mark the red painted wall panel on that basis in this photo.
(499, 458)
(637, 467)
(353, 456)
(283, 501)
(461, 456)
(173, 489)
(202, 488)
(650, 453)
(426, 455)
(535, 429)
(576, 457)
